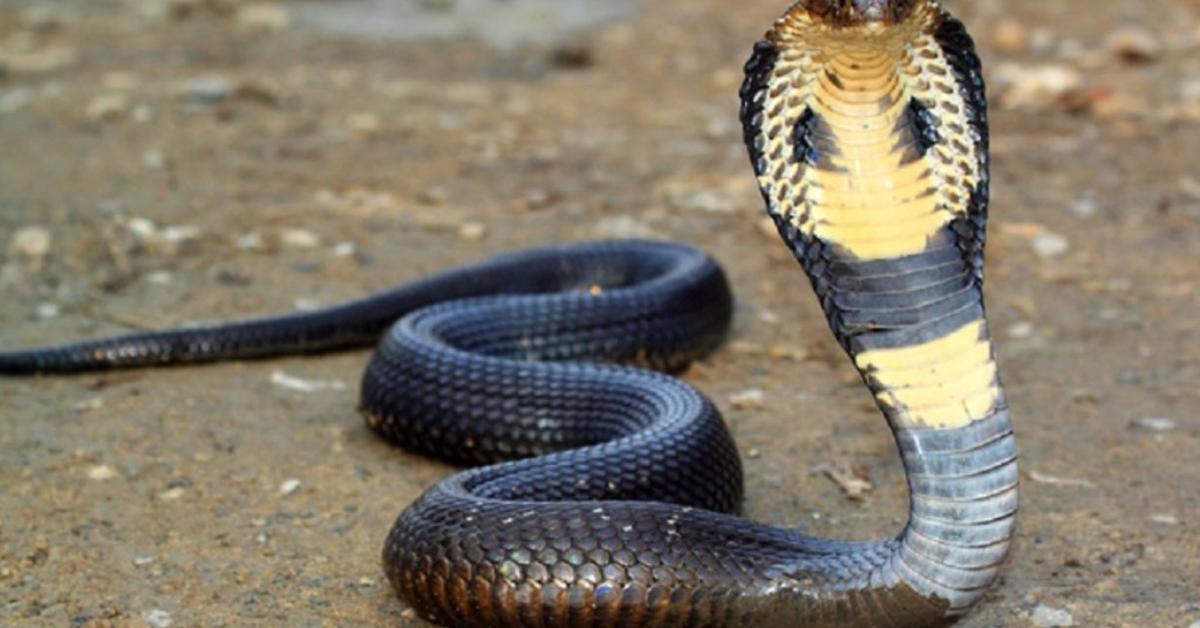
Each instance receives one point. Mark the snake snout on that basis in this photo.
(872, 10)
(854, 13)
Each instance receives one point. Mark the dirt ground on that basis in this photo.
(167, 161)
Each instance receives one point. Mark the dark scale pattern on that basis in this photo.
(959, 49)
(607, 494)
(924, 126)
(804, 138)
(362, 322)
(753, 92)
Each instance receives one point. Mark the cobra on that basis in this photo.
(606, 491)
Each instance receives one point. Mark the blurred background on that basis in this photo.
(167, 161)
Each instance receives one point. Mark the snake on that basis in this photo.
(601, 490)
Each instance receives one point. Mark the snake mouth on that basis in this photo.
(850, 13)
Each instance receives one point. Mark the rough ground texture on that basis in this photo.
(172, 161)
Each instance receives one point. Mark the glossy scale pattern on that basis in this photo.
(606, 493)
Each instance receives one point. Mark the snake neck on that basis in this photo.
(870, 147)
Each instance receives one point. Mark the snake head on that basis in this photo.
(850, 13)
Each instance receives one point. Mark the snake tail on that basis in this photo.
(362, 322)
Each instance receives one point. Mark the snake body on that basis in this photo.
(605, 491)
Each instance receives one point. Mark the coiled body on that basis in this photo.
(606, 491)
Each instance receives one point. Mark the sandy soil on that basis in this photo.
(168, 161)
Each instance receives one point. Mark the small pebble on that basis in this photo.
(1046, 617)
(472, 231)
(1190, 186)
(1155, 424)
(364, 123)
(32, 243)
(153, 160)
(701, 200)
(176, 234)
(160, 278)
(1049, 244)
(289, 486)
(15, 99)
(142, 227)
(87, 405)
(1046, 478)
(749, 398)
(300, 238)
(46, 311)
(157, 618)
(795, 354)
(252, 241)
(1037, 86)
(539, 198)
(101, 473)
(263, 17)
(768, 317)
(1189, 90)
(1083, 207)
(107, 107)
(207, 90)
(172, 494)
(622, 226)
(291, 382)
(1020, 330)
(343, 249)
